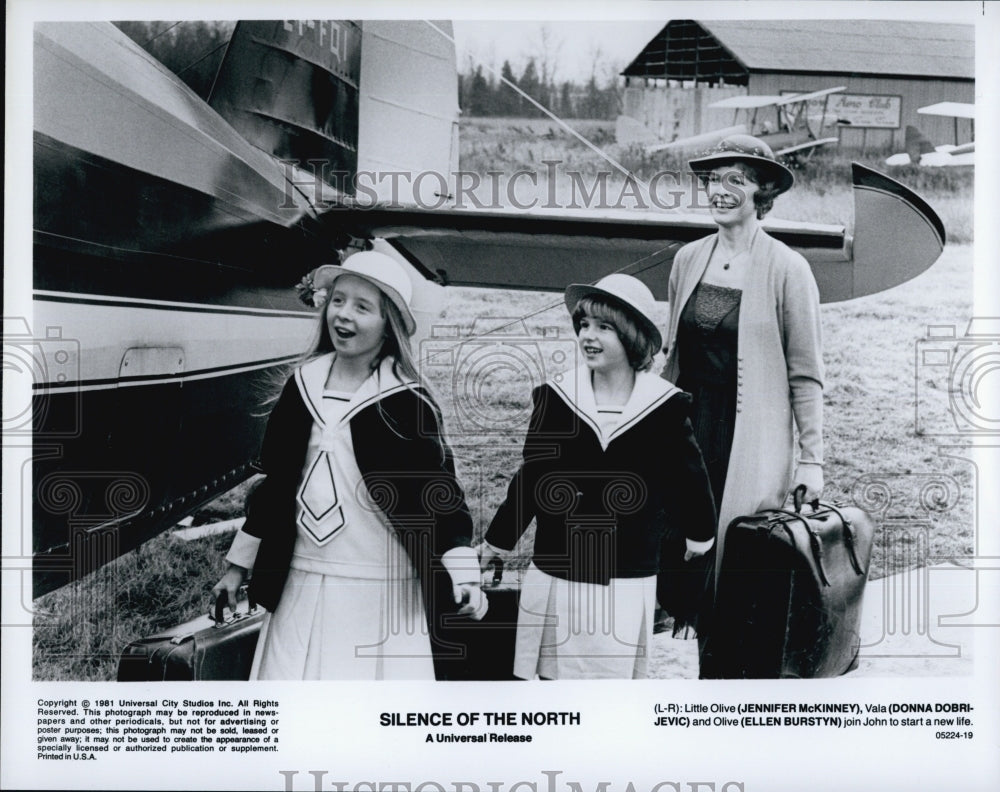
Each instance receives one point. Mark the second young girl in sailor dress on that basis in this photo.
(359, 535)
(609, 461)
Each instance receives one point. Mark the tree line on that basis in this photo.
(481, 94)
(194, 51)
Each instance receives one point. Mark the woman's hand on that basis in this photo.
(229, 585)
(810, 476)
(471, 599)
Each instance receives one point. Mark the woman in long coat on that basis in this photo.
(744, 340)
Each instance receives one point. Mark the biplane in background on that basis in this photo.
(793, 129)
(920, 151)
(170, 229)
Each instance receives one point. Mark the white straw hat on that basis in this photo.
(626, 290)
(382, 271)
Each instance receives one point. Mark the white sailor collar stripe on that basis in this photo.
(311, 380)
(577, 390)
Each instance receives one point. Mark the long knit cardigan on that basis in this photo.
(780, 371)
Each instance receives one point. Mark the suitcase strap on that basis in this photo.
(815, 545)
(798, 496)
(850, 539)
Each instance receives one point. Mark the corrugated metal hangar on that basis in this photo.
(888, 69)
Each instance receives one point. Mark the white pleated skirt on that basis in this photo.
(572, 630)
(332, 627)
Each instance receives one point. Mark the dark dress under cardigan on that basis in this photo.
(707, 350)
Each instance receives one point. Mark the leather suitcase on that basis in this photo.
(789, 594)
(203, 648)
(485, 649)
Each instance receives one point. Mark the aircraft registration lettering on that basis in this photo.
(326, 32)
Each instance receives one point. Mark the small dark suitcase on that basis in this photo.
(204, 648)
(487, 646)
(789, 594)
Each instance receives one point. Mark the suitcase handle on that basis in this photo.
(850, 540)
(219, 616)
(799, 496)
(814, 543)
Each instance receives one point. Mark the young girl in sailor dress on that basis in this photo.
(608, 460)
(353, 566)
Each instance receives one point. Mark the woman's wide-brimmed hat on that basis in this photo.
(624, 290)
(745, 148)
(383, 272)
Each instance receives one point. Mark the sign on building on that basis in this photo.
(865, 110)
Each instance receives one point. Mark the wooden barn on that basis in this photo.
(888, 70)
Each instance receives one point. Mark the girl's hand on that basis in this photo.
(472, 600)
(695, 549)
(229, 585)
(486, 554)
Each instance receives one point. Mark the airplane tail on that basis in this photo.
(346, 103)
(916, 144)
(897, 234)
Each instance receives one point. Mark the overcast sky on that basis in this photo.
(574, 44)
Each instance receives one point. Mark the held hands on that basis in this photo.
(229, 585)
(810, 476)
(462, 565)
(474, 603)
(486, 555)
(472, 600)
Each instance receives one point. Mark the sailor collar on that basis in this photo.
(576, 388)
(311, 380)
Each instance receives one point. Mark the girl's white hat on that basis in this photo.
(623, 289)
(382, 271)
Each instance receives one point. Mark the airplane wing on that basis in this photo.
(897, 237)
(950, 109)
(744, 102)
(965, 148)
(808, 97)
(704, 140)
(807, 146)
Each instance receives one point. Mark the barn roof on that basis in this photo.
(684, 49)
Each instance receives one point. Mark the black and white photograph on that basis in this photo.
(533, 397)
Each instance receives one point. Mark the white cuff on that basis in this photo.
(699, 548)
(462, 564)
(243, 550)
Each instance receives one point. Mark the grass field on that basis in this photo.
(922, 499)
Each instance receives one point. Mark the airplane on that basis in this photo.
(170, 229)
(921, 151)
(789, 133)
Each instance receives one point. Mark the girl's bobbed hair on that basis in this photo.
(640, 345)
